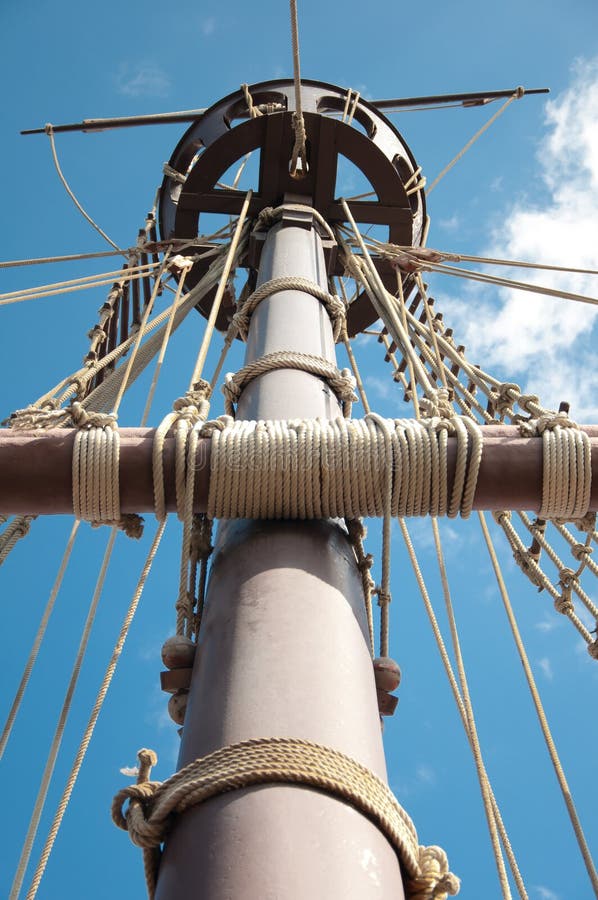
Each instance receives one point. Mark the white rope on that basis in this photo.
(340, 468)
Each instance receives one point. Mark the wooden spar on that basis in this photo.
(284, 653)
(35, 471)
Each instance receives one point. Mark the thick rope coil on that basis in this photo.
(95, 472)
(334, 305)
(341, 381)
(152, 806)
(339, 468)
(566, 467)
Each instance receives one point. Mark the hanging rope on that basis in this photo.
(468, 721)
(550, 745)
(93, 718)
(298, 167)
(61, 725)
(50, 132)
(16, 704)
(518, 93)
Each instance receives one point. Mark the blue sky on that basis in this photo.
(527, 190)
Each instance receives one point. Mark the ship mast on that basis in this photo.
(284, 651)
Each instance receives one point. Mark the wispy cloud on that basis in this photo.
(528, 336)
(144, 79)
(208, 26)
(546, 667)
(544, 893)
(130, 771)
(425, 774)
(451, 225)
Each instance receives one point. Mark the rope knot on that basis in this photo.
(505, 397)
(201, 537)
(84, 419)
(436, 405)
(252, 108)
(528, 566)
(194, 405)
(266, 219)
(593, 649)
(218, 424)
(550, 421)
(529, 403)
(384, 597)
(435, 880)
(147, 759)
(581, 552)
(564, 604)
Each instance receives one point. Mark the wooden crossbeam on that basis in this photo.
(35, 471)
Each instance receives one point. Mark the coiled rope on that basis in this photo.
(152, 806)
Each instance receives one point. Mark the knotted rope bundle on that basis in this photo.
(153, 805)
(343, 467)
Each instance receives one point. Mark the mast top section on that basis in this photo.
(338, 123)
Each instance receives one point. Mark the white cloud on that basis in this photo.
(145, 79)
(546, 667)
(131, 771)
(547, 344)
(382, 387)
(545, 893)
(208, 26)
(547, 625)
(451, 225)
(425, 774)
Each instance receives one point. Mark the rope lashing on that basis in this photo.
(340, 380)
(253, 110)
(152, 806)
(272, 214)
(340, 468)
(333, 304)
(95, 472)
(188, 410)
(566, 468)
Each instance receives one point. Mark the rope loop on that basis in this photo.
(341, 381)
(152, 807)
(334, 305)
(270, 215)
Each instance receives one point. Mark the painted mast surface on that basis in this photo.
(283, 653)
